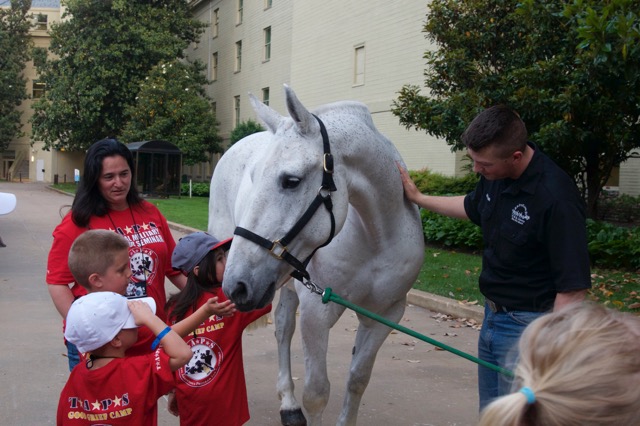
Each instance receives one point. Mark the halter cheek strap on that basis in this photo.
(278, 248)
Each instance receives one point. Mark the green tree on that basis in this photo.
(243, 129)
(14, 45)
(103, 51)
(173, 106)
(570, 68)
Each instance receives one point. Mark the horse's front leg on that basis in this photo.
(285, 322)
(316, 321)
(369, 338)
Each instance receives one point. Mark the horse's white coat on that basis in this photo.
(372, 261)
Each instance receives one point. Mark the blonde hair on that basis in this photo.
(93, 252)
(583, 365)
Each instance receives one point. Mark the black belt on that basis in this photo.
(496, 307)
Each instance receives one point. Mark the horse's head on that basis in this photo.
(276, 228)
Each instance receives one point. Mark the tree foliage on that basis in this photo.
(102, 51)
(570, 68)
(244, 129)
(14, 47)
(172, 105)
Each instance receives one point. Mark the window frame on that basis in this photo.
(238, 60)
(266, 53)
(359, 64)
(236, 110)
(215, 24)
(214, 66)
(38, 88)
(239, 12)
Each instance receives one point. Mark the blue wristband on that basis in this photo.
(156, 342)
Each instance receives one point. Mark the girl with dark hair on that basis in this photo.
(107, 199)
(211, 389)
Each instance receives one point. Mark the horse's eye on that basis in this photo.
(290, 182)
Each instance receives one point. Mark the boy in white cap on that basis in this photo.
(109, 388)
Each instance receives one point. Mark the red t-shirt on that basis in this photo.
(123, 392)
(211, 389)
(150, 247)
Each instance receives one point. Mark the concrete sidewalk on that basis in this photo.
(412, 382)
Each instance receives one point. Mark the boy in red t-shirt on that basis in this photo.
(99, 261)
(109, 388)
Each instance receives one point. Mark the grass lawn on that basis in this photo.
(445, 272)
(193, 212)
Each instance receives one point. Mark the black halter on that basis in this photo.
(278, 248)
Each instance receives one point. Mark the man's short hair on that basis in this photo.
(497, 126)
(93, 252)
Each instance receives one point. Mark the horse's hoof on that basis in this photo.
(293, 418)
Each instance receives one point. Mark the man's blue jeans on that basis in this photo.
(73, 355)
(498, 344)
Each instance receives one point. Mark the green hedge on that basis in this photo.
(612, 246)
(198, 189)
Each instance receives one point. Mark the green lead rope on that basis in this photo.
(329, 296)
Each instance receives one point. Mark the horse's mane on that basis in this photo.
(353, 107)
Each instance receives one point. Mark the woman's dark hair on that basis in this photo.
(88, 200)
(179, 304)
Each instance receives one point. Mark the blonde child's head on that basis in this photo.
(99, 260)
(579, 366)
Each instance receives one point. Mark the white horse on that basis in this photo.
(261, 190)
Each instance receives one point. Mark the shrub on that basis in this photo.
(621, 208)
(438, 184)
(612, 246)
(450, 232)
(244, 129)
(198, 189)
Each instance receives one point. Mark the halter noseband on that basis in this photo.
(278, 248)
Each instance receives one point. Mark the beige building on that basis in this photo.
(326, 51)
(22, 160)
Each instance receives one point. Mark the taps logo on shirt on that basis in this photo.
(205, 363)
(519, 214)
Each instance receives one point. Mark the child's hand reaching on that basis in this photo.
(141, 312)
(223, 309)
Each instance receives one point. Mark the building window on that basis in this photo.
(267, 44)
(265, 95)
(236, 110)
(268, 4)
(38, 89)
(358, 68)
(41, 21)
(238, 56)
(214, 66)
(239, 12)
(214, 107)
(215, 21)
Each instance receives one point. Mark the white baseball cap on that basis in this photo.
(95, 319)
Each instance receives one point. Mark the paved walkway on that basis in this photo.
(412, 382)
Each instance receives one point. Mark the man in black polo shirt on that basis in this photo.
(533, 222)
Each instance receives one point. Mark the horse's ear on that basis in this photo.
(303, 118)
(270, 117)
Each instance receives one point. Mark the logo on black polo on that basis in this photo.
(519, 214)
